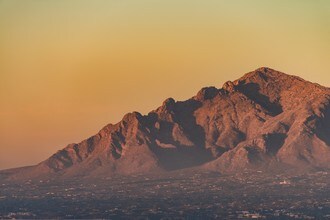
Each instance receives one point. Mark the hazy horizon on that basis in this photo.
(67, 68)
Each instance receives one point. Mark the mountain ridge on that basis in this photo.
(262, 119)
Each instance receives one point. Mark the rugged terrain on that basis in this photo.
(263, 120)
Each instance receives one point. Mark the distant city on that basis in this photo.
(177, 195)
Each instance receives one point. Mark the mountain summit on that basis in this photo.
(265, 118)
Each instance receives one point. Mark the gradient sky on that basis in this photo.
(69, 67)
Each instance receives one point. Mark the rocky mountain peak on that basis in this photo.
(132, 116)
(207, 93)
(169, 103)
(262, 119)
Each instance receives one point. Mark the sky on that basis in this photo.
(69, 67)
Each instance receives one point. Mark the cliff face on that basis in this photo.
(264, 118)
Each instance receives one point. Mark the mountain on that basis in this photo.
(264, 119)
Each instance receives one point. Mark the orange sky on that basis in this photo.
(67, 68)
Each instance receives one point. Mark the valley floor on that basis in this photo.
(176, 195)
